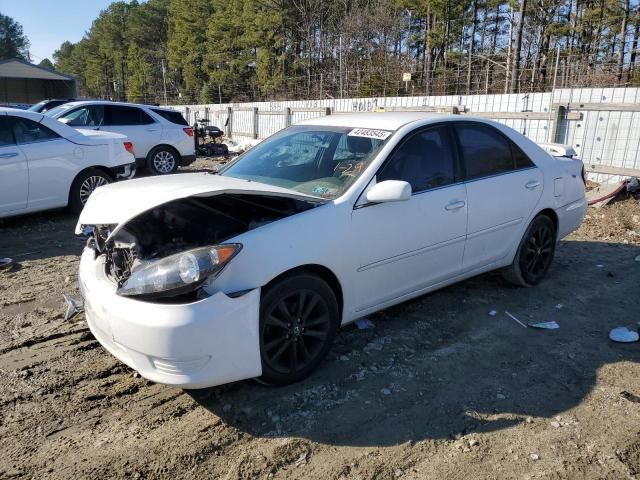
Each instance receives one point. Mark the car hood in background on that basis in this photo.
(96, 137)
(117, 203)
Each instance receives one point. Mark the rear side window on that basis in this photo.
(520, 158)
(121, 115)
(28, 131)
(6, 135)
(87, 116)
(425, 160)
(173, 117)
(485, 151)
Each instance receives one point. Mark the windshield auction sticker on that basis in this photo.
(369, 133)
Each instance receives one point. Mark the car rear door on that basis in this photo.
(403, 247)
(142, 130)
(14, 173)
(503, 188)
(53, 162)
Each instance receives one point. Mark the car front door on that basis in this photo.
(142, 130)
(52, 162)
(503, 188)
(404, 247)
(14, 172)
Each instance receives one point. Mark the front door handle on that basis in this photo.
(151, 130)
(8, 155)
(532, 184)
(455, 205)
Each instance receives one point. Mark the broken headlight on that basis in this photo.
(178, 274)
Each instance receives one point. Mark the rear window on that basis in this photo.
(172, 116)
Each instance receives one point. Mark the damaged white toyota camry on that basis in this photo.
(200, 279)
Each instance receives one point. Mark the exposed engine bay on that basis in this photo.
(184, 224)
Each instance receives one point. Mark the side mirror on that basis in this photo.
(389, 191)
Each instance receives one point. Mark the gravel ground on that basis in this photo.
(438, 388)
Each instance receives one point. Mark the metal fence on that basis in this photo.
(602, 124)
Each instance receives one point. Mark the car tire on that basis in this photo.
(299, 317)
(535, 253)
(84, 185)
(163, 160)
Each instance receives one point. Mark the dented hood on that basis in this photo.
(118, 203)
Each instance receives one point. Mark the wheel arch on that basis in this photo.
(163, 145)
(323, 272)
(100, 168)
(551, 213)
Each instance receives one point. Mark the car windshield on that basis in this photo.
(38, 106)
(322, 161)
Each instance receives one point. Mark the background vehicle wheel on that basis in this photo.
(163, 160)
(299, 318)
(84, 185)
(534, 255)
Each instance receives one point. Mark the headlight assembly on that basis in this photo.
(178, 274)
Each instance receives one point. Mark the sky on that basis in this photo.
(48, 23)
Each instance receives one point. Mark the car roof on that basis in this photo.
(79, 103)
(35, 116)
(379, 120)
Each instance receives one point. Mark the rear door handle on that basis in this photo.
(8, 155)
(455, 205)
(532, 184)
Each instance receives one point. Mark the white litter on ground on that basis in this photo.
(493, 313)
(552, 325)
(364, 324)
(623, 335)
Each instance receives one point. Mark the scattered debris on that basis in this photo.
(6, 263)
(630, 396)
(637, 258)
(559, 306)
(364, 324)
(493, 313)
(386, 391)
(555, 424)
(501, 396)
(514, 318)
(603, 194)
(534, 457)
(529, 420)
(599, 265)
(552, 325)
(474, 442)
(74, 305)
(343, 358)
(623, 335)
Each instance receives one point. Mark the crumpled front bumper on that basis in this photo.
(124, 172)
(201, 344)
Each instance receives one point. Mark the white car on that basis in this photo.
(45, 164)
(162, 137)
(200, 279)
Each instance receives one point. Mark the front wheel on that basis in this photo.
(84, 185)
(299, 318)
(163, 160)
(535, 253)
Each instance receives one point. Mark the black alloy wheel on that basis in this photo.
(535, 253)
(298, 322)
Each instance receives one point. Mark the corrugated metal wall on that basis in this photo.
(601, 137)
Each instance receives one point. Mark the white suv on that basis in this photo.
(162, 138)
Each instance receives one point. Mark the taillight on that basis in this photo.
(188, 131)
(128, 146)
(584, 176)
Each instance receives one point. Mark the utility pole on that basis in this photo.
(164, 80)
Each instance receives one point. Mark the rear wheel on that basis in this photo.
(534, 255)
(163, 160)
(298, 321)
(84, 185)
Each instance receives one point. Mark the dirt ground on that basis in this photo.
(438, 388)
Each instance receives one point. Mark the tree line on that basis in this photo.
(214, 51)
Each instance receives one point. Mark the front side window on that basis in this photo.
(485, 151)
(6, 135)
(28, 131)
(87, 116)
(316, 160)
(425, 160)
(121, 115)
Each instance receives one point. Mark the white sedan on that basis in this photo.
(45, 164)
(201, 279)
